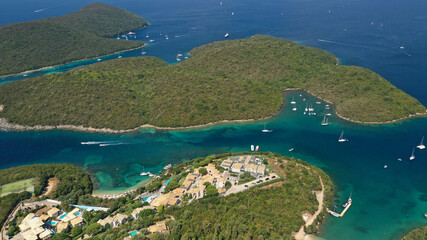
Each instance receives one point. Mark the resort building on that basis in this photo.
(159, 227)
(105, 221)
(247, 163)
(119, 219)
(44, 217)
(113, 221)
(32, 229)
(187, 184)
(237, 167)
(197, 192)
(78, 221)
(227, 164)
(62, 226)
(168, 199)
(54, 212)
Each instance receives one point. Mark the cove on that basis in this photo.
(386, 202)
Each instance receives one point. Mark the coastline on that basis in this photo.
(115, 193)
(6, 126)
(83, 59)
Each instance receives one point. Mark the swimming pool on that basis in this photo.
(52, 223)
(167, 181)
(133, 233)
(64, 215)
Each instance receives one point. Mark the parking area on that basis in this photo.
(242, 187)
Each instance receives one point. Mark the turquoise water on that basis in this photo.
(51, 223)
(61, 217)
(386, 202)
(167, 181)
(133, 233)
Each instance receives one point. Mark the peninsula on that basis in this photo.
(228, 80)
(234, 196)
(79, 35)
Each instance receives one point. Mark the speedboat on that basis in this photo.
(226, 35)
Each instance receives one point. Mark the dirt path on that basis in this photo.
(301, 235)
(51, 186)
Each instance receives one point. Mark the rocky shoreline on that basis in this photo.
(6, 126)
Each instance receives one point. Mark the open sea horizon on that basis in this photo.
(387, 203)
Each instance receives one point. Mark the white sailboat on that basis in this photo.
(143, 172)
(306, 107)
(327, 107)
(342, 139)
(412, 157)
(293, 101)
(265, 130)
(421, 146)
(325, 121)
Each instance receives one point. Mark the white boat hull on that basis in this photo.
(421, 147)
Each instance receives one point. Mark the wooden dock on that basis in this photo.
(342, 213)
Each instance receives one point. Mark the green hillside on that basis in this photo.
(57, 40)
(229, 80)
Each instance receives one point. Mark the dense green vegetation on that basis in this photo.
(417, 234)
(257, 213)
(272, 213)
(57, 40)
(229, 80)
(75, 182)
(9, 202)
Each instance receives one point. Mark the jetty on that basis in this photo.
(347, 206)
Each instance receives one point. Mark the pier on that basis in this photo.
(343, 211)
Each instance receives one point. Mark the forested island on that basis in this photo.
(285, 205)
(416, 234)
(228, 80)
(57, 40)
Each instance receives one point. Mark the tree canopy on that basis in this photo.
(228, 80)
(58, 40)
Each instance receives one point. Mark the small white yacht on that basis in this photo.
(293, 101)
(99, 59)
(412, 157)
(342, 139)
(421, 146)
(265, 130)
(328, 114)
(294, 109)
(325, 121)
(252, 148)
(291, 149)
(226, 35)
(151, 40)
(327, 107)
(385, 166)
(257, 148)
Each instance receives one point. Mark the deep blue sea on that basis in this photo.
(387, 203)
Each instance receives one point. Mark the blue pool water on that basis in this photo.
(133, 233)
(167, 181)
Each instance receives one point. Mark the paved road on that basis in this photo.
(241, 187)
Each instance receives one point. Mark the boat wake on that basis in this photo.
(359, 46)
(107, 143)
(40, 10)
